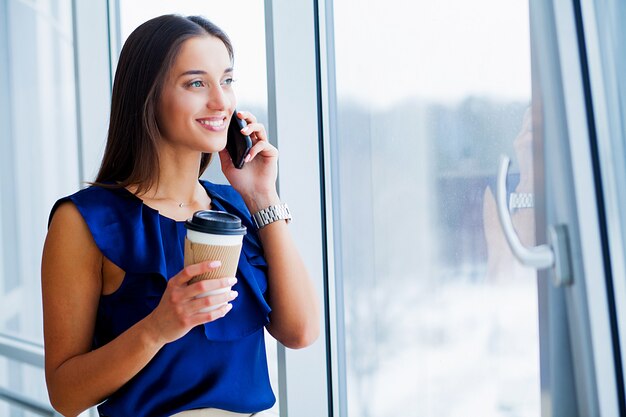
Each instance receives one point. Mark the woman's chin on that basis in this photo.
(212, 147)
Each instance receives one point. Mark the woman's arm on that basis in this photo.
(77, 377)
(294, 320)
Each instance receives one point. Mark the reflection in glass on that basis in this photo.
(429, 96)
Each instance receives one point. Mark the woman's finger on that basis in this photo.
(191, 271)
(200, 303)
(208, 286)
(255, 128)
(205, 317)
(261, 146)
(247, 116)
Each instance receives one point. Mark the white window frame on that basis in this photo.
(609, 127)
(583, 383)
(294, 108)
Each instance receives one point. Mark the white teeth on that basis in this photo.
(217, 123)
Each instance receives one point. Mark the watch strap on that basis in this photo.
(271, 214)
(521, 200)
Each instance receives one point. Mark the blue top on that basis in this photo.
(221, 364)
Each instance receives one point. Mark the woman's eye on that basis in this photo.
(228, 81)
(196, 84)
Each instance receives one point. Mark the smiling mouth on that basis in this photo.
(212, 123)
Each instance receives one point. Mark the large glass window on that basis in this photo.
(440, 319)
(38, 163)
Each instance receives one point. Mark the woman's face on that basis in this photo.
(197, 100)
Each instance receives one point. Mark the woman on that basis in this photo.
(122, 326)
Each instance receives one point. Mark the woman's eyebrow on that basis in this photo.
(202, 72)
(193, 72)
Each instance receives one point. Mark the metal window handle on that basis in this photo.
(538, 257)
(557, 254)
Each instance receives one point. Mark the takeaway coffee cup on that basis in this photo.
(214, 235)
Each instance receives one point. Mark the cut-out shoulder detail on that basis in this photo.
(112, 276)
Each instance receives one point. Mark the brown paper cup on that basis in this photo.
(199, 252)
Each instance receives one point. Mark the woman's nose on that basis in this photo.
(217, 99)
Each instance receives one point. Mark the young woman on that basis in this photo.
(122, 324)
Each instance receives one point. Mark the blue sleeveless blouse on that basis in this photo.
(221, 364)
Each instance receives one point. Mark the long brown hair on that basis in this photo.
(130, 156)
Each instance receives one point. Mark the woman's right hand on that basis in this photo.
(179, 308)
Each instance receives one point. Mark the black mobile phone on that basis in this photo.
(238, 145)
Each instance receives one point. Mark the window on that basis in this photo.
(38, 163)
(440, 319)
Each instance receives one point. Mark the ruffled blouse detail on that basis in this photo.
(145, 244)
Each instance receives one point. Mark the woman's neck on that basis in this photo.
(178, 178)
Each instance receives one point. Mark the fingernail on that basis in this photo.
(215, 264)
(229, 306)
(232, 281)
(248, 158)
(233, 295)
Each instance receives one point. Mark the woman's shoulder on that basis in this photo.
(113, 218)
(102, 194)
(66, 216)
(68, 229)
(95, 200)
(69, 234)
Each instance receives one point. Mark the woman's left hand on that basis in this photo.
(258, 175)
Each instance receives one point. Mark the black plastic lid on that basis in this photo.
(216, 222)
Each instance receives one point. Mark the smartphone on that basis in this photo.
(238, 145)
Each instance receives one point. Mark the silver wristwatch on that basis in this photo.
(521, 200)
(271, 214)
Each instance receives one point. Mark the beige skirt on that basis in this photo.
(215, 412)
